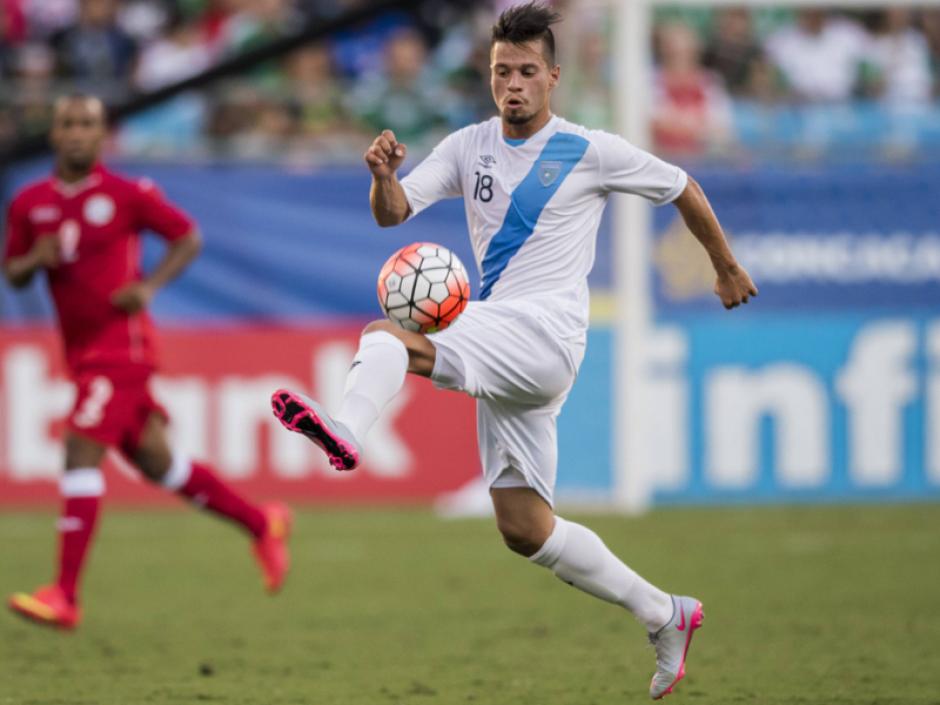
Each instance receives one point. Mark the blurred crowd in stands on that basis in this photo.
(726, 80)
(804, 79)
(320, 97)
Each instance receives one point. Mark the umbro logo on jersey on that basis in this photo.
(548, 172)
(487, 160)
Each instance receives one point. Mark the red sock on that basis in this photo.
(76, 527)
(206, 489)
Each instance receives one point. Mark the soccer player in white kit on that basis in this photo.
(534, 186)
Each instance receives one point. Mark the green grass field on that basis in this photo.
(806, 605)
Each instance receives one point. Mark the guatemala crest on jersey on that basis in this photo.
(548, 172)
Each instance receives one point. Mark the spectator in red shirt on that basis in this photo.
(691, 109)
(12, 22)
(82, 227)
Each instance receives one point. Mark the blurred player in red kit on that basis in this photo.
(82, 226)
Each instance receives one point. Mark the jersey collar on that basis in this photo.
(543, 132)
(70, 190)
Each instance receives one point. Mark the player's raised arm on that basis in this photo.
(734, 285)
(387, 197)
(627, 169)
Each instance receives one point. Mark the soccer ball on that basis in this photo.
(423, 287)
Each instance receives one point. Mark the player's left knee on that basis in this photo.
(520, 537)
(151, 455)
(153, 472)
(153, 466)
(522, 547)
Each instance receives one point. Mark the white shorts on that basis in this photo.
(520, 375)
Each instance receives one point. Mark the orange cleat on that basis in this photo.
(47, 605)
(271, 548)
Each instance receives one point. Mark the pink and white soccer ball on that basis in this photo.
(423, 287)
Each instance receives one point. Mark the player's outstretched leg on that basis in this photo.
(377, 374)
(268, 524)
(577, 556)
(57, 604)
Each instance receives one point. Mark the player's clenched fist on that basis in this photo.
(734, 286)
(133, 297)
(47, 252)
(385, 155)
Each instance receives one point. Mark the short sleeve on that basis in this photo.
(18, 236)
(625, 168)
(156, 213)
(435, 178)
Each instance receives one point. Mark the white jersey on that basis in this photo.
(534, 206)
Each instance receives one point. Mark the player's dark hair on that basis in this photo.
(523, 23)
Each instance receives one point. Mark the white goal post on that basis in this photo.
(630, 95)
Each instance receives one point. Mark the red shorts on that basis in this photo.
(113, 406)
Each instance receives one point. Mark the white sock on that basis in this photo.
(178, 474)
(378, 372)
(578, 556)
(82, 482)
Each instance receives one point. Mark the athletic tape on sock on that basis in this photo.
(82, 482)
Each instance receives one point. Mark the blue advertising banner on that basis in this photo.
(856, 237)
(796, 408)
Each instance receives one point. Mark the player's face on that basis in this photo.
(78, 130)
(522, 81)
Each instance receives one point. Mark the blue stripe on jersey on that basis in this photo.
(559, 156)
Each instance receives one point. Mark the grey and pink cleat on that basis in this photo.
(672, 644)
(303, 415)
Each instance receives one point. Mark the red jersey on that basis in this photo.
(98, 221)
